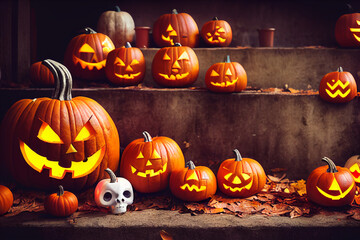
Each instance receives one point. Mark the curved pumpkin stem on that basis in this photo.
(111, 174)
(117, 9)
(63, 80)
(332, 166)
(61, 191)
(147, 136)
(177, 44)
(89, 30)
(128, 45)
(215, 19)
(340, 69)
(238, 157)
(190, 165)
(174, 11)
(227, 59)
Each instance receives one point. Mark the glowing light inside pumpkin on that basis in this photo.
(355, 171)
(356, 30)
(77, 169)
(236, 181)
(336, 84)
(176, 67)
(149, 172)
(129, 69)
(215, 38)
(86, 132)
(171, 33)
(48, 135)
(193, 187)
(335, 187)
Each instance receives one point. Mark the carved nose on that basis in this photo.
(71, 149)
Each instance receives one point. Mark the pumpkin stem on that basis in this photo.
(174, 11)
(177, 44)
(227, 59)
(238, 157)
(340, 69)
(190, 164)
(332, 166)
(215, 19)
(117, 9)
(147, 136)
(89, 30)
(111, 174)
(63, 80)
(61, 191)
(127, 45)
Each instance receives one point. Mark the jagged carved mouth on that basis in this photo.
(224, 84)
(127, 76)
(89, 65)
(174, 77)
(219, 39)
(77, 169)
(193, 187)
(239, 189)
(336, 197)
(149, 172)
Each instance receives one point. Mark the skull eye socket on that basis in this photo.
(107, 196)
(127, 194)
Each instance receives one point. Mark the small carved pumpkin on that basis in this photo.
(61, 204)
(125, 66)
(353, 164)
(86, 54)
(347, 30)
(6, 199)
(338, 87)
(175, 28)
(216, 33)
(331, 185)
(193, 183)
(46, 142)
(226, 77)
(40, 75)
(240, 177)
(148, 162)
(175, 66)
(118, 25)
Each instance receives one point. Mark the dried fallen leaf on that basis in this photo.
(300, 186)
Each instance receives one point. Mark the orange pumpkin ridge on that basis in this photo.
(6, 199)
(61, 204)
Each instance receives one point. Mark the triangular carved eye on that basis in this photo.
(140, 155)
(245, 176)
(227, 176)
(170, 28)
(86, 49)
(47, 134)
(184, 56)
(155, 155)
(228, 72)
(119, 62)
(166, 57)
(134, 62)
(334, 186)
(214, 74)
(221, 30)
(86, 132)
(193, 176)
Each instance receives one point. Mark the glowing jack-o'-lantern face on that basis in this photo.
(59, 140)
(353, 164)
(175, 28)
(148, 162)
(217, 33)
(226, 77)
(125, 66)
(193, 183)
(175, 66)
(347, 30)
(86, 55)
(338, 87)
(331, 186)
(240, 177)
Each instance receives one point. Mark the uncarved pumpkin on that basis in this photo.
(46, 142)
(6, 199)
(40, 75)
(118, 25)
(61, 204)
(174, 28)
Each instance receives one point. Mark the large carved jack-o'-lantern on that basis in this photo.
(86, 54)
(176, 28)
(347, 30)
(240, 177)
(330, 185)
(148, 162)
(217, 33)
(46, 142)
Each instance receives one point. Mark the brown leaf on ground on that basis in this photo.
(354, 213)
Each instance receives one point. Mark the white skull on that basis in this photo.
(114, 193)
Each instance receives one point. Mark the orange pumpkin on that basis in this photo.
(175, 66)
(353, 164)
(175, 28)
(61, 204)
(240, 177)
(347, 30)
(338, 87)
(125, 66)
(40, 75)
(331, 185)
(86, 54)
(216, 33)
(46, 142)
(193, 183)
(226, 77)
(6, 199)
(148, 162)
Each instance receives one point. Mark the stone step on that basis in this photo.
(300, 68)
(280, 130)
(147, 224)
